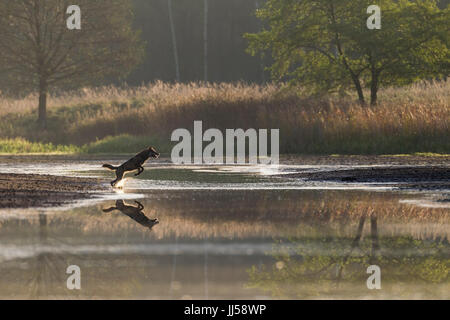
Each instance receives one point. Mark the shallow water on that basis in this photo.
(225, 232)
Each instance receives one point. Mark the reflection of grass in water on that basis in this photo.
(250, 215)
(417, 237)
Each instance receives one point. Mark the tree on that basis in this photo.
(326, 44)
(205, 40)
(174, 41)
(38, 51)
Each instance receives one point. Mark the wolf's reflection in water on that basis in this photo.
(134, 213)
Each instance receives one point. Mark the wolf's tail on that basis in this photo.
(110, 167)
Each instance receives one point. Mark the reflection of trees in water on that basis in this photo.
(335, 266)
(106, 276)
(48, 269)
(173, 284)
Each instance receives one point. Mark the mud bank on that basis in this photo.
(405, 177)
(27, 190)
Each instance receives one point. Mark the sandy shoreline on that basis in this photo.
(29, 190)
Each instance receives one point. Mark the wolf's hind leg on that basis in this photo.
(140, 206)
(140, 170)
(119, 176)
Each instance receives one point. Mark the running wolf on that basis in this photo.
(134, 163)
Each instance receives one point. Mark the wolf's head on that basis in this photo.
(153, 153)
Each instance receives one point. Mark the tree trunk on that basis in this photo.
(355, 244)
(359, 89)
(174, 41)
(262, 65)
(374, 88)
(205, 41)
(42, 120)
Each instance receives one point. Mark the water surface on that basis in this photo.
(226, 232)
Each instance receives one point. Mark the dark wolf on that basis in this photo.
(134, 213)
(134, 163)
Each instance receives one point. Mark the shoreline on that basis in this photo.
(32, 190)
(418, 173)
(405, 178)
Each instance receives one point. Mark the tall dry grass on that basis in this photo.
(407, 119)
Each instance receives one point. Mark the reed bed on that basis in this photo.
(407, 119)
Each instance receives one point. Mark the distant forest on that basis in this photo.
(227, 21)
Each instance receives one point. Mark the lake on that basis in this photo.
(226, 232)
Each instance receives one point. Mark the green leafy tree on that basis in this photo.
(39, 52)
(326, 44)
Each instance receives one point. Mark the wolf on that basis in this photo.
(134, 163)
(134, 213)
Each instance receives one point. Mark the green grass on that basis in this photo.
(419, 154)
(22, 146)
(123, 144)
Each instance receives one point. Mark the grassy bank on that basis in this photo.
(123, 144)
(111, 120)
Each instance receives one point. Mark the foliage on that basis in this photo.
(325, 44)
